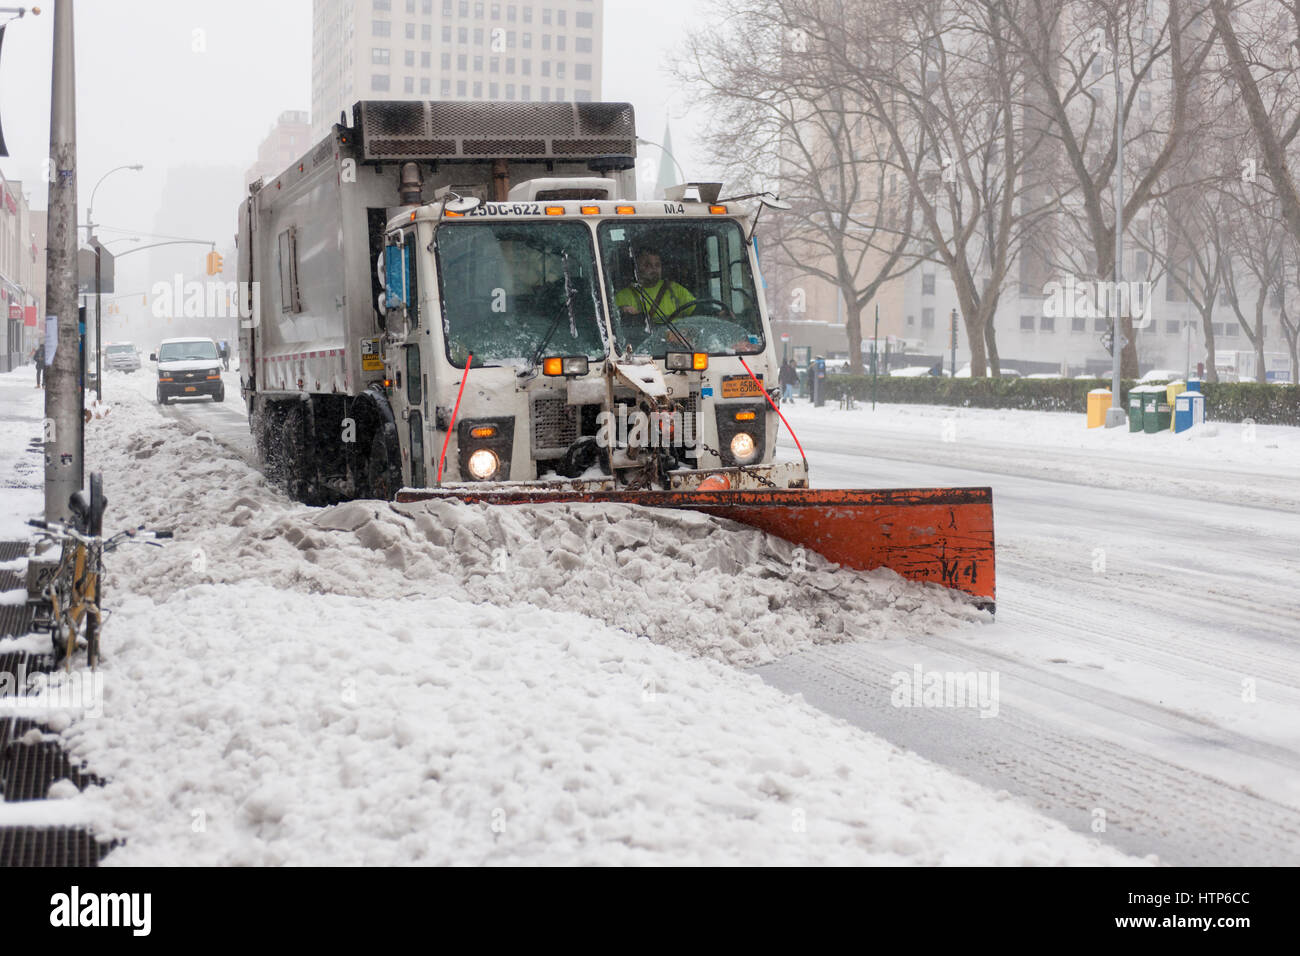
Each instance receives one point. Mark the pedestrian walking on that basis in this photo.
(788, 379)
(38, 358)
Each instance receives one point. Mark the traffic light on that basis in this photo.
(215, 266)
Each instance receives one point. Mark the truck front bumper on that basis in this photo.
(777, 475)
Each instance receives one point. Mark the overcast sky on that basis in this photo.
(146, 95)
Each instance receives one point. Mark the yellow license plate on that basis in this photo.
(191, 388)
(744, 387)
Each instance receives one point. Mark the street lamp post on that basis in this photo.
(647, 142)
(90, 237)
(1115, 414)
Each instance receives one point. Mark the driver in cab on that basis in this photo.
(652, 295)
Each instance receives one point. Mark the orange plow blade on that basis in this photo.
(938, 535)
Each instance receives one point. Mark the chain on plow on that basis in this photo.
(757, 476)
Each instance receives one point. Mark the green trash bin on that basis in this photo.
(1152, 398)
(1135, 407)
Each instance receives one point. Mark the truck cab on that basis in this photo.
(602, 343)
(431, 305)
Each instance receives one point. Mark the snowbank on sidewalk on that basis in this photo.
(1028, 431)
(251, 725)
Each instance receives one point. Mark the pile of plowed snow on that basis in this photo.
(688, 580)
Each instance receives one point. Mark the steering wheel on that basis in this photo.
(723, 309)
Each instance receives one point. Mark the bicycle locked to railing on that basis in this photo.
(70, 605)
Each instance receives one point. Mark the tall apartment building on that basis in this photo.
(285, 144)
(526, 50)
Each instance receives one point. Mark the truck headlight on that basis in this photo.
(570, 365)
(743, 447)
(686, 361)
(483, 464)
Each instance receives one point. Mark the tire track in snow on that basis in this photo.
(1150, 805)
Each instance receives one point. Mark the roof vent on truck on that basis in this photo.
(389, 131)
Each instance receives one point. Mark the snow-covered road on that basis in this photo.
(226, 421)
(1147, 641)
(403, 684)
(1145, 655)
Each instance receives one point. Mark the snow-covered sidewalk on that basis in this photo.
(380, 684)
(1237, 463)
(22, 474)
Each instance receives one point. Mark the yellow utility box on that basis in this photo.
(1098, 402)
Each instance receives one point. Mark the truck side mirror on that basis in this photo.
(395, 278)
(153, 356)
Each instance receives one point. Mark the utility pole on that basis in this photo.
(1115, 414)
(99, 249)
(954, 343)
(99, 347)
(63, 403)
(875, 357)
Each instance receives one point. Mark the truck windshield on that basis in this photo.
(187, 351)
(121, 349)
(513, 292)
(680, 285)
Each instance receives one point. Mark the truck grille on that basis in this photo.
(688, 407)
(555, 427)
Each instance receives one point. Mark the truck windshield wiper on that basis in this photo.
(569, 293)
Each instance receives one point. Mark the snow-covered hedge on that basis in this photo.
(1262, 404)
(1224, 402)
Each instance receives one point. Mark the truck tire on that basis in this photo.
(383, 473)
(162, 399)
(267, 437)
(294, 455)
(220, 394)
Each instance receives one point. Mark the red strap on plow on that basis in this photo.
(778, 412)
(456, 411)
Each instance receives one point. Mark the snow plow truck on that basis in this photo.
(466, 300)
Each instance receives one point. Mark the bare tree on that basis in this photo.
(1196, 245)
(781, 125)
(1288, 282)
(1257, 244)
(1074, 47)
(941, 80)
(1261, 43)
